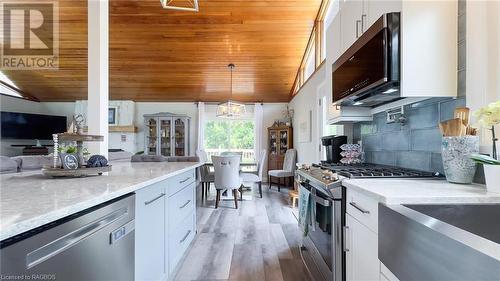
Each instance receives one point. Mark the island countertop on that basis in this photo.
(29, 200)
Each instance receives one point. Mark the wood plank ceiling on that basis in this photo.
(165, 55)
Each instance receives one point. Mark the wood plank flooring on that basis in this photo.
(258, 241)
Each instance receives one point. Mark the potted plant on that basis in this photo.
(491, 171)
(69, 158)
(488, 117)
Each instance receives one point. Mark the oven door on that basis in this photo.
(319, 248)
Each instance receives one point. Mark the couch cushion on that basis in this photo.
(8, 165)
(183, 159)
(148, 158)
(119, 155)
(34, 162)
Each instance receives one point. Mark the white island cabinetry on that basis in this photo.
(165, 226)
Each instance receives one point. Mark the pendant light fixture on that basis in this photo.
(170, 5)
(230, 109)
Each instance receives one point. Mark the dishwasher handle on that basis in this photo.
(71, 239)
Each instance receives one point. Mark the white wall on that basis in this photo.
(134, 142)
(304, 101)
(24, 106)
(483, 59)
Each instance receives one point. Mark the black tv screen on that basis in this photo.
(31, 126)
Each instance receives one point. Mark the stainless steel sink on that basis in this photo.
(441, 242)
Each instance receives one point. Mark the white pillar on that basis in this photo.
(98, 74)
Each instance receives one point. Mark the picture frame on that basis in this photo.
(305, 129)
(113, 115)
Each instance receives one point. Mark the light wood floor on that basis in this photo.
(258, 241)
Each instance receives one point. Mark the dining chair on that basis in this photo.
(256, 177)
(232, 153)
(206, 176)
(288, 170)
(227, 176)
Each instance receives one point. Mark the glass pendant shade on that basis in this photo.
(230, 109)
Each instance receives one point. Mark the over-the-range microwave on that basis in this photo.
(368, 73)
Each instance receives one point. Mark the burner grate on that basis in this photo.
(377, 171)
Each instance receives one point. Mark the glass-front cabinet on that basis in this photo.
(167, 134)
(280, 140)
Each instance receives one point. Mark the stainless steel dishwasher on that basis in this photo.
(95, 244)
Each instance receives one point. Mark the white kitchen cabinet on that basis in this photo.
(373, 10)
(429, 49)
(165, 225)
(150, 233)
(181, 223)
(351, 12)
(361, 251)
(386, 274)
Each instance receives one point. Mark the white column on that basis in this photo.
(98, 74)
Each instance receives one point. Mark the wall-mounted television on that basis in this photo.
(15, 125)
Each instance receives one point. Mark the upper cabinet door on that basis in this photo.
(165, 136)
(351, 22)
(373, 10)
(180, 136)
(151, 136)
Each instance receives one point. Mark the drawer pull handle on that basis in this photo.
(345, 238)
(154, 199)
(185, 237)
(185, 180)
(185, 204)
(359, 208)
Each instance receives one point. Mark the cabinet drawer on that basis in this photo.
(150, 194)
(363, 208)
(180, 205)
(179, 240)
(176, 183)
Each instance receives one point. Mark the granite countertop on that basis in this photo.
(29, 200)
(421, 191)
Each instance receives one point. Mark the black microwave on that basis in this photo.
(368, 73)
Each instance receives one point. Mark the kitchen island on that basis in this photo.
(29, 200)
(154, 201)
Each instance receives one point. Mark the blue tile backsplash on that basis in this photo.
(415, 144)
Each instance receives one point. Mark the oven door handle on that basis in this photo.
(322, 201)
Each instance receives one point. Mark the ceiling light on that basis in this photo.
(230, 109)
(391, 90)
(170, 5)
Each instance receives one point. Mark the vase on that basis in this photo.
(456, 151)
(492, 177)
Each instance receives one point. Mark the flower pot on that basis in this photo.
(492, 177)
(456, 151)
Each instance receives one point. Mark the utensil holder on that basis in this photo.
(456, 151)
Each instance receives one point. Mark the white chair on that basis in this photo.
(288, 168)
(206, 176)
(227, 176)
(256, 178)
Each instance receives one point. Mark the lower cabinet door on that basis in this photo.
(362, 252)
(179, 239)
(150, 234)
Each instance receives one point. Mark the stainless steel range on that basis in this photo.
(322, 249)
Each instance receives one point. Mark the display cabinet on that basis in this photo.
(280, 139)
(167, 134)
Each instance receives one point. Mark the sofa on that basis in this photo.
(36, 162)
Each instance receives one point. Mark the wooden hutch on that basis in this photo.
(280, 138)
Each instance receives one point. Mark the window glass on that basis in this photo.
(227, 135)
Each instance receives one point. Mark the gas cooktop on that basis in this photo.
(356, 171)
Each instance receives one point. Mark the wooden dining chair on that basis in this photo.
(227, 176)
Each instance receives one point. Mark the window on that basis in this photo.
(331, 11)
(230, 135)
(310, 63)
(7, 87)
